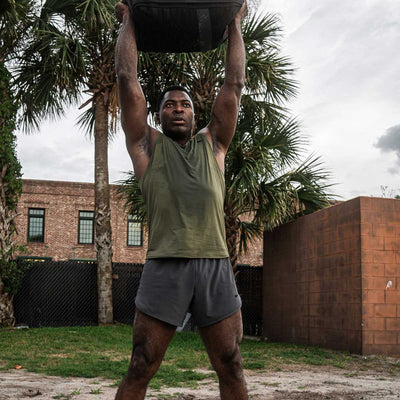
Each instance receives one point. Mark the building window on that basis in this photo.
(135, 236)
(36, 225)
(86, 227)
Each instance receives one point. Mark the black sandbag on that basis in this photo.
(169, 26)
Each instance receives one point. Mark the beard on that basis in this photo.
(177, 133)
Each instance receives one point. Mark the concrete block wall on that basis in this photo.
(326, 278)
(380, 252)
(312, 279)
(62, 202)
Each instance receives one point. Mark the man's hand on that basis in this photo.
(121, 11)
(242, 12)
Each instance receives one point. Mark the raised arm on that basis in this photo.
(225, 109)
(140, 137)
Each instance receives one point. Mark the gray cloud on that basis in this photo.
(390, 142)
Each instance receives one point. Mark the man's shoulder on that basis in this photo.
(151, 139)
(212, 140)
(205, 133)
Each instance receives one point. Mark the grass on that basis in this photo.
(92, 352)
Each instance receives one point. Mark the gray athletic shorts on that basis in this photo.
(171, 287)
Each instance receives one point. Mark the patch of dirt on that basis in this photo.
(59, 355)
(306, 383)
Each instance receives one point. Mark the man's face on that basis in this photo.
(176, 115)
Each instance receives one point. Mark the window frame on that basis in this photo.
(79, 225)
(42, 217)
(131, 218)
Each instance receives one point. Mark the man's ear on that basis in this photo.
(158, 120)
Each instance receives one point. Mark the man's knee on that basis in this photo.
(143, 364)
(229, 363)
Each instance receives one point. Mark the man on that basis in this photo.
(181, 178)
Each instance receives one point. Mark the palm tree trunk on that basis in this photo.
(9, 182)
(6, 223)
(6, 308)
(102, 214)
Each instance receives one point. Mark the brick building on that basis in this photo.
(56, 220)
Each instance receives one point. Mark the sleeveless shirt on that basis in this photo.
(184, 191)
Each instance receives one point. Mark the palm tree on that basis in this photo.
(267, 184)
(14, 19)
(71, 53)
(263, 188)
(10, 190)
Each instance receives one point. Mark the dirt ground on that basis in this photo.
(300, 383)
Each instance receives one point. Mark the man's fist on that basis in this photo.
(243, 11)
(121, 11)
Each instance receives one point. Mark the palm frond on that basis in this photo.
(248, 232)
(86, 121)
(50, 77)
(311, 181)
(15, 21)
(97, 15)
(129, 192)
(91, 16)
(289, 195)
(262, 31)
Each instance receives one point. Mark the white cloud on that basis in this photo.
(59, 151)
(348, 69)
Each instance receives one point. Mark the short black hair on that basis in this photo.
(170, 89)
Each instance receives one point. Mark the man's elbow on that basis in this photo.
(124, 76)
(124, 70)
(236, 85)
(239, 84)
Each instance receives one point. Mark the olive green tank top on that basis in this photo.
(184, 191)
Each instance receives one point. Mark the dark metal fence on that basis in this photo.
(64, 293)
(249, 283)
(125, 286)
(56, 293)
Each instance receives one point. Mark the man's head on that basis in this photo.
(176, 114)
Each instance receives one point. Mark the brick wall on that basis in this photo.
(62, 202)
(312, 279)
(380, 252)
(254, 255)
(325, 278)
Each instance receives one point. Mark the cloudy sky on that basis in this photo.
(348, 68)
